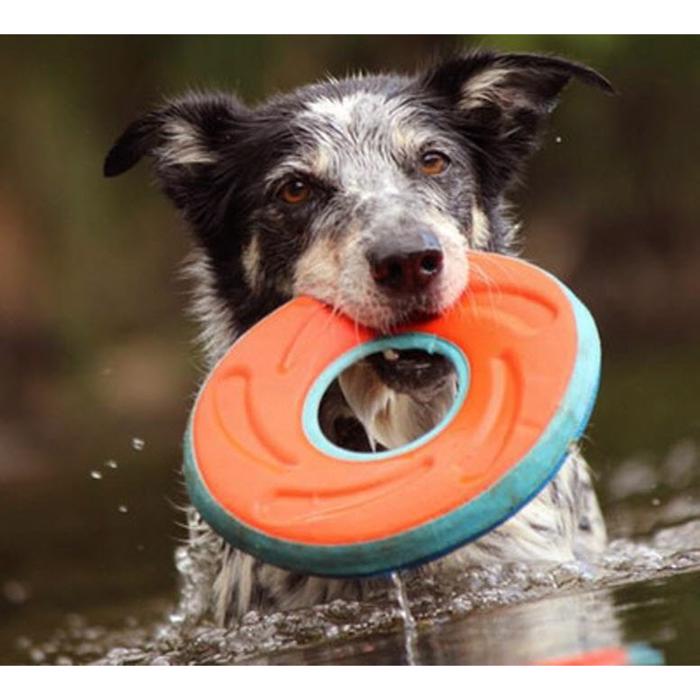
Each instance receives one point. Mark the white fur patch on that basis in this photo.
(390, 418)
(317, 271)
(455, 272)
(481, 87)
(342, 109)
(183, 145)
(217, 331)
(408, 138)
(251, 264)
(480, 227)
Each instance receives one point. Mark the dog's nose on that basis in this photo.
(408, 264)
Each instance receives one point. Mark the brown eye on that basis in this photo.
(295, 191)
(433, 163)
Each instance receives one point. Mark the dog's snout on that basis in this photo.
(407, 264)
(407, 272)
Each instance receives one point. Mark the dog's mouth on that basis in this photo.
(411, 371)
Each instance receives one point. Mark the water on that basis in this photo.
(635, 592)
(107, 593)
(409, 622)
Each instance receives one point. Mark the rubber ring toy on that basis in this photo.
(263, 475)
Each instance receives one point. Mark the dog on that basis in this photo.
(365, 193)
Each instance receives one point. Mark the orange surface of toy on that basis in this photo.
(262, 473)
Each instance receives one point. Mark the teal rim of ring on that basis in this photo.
(643, 654)
(445, 533)
(406, 341)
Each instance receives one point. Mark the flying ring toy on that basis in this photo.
(264, 476)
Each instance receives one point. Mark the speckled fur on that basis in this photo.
(357, 144)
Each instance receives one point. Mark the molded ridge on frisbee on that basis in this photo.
(262, 474)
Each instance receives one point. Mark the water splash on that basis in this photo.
(409, 622)
(181, 637)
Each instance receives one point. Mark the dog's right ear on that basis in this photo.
(185, 138)
(501, 102)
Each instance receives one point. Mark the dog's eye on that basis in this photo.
(433, 163)
(295, 191)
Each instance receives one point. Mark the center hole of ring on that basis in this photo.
(386, 397)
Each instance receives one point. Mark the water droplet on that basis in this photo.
(15, 592)
(94, 474)
(111, 464)
(250, 618)
(138, 444)
(123, 509)
(37, 656)
(23, 643)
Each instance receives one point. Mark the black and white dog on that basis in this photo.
(364, 193)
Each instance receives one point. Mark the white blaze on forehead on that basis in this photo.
(344, 108)
(358, 138)
(183, 144)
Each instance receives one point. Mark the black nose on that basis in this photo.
(407, 264)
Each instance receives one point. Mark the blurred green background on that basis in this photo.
(95, 350)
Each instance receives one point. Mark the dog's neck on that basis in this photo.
(391, 418)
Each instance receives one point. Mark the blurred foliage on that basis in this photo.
(94, 348)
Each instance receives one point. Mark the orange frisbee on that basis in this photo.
(263, 475)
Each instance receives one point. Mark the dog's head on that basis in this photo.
(364, 193)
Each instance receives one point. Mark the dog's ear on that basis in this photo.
(501, 101)
(186, 139)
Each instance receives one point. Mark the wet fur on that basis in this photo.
(357, 143)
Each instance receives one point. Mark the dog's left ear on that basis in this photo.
(500, 102)
(187, 140)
